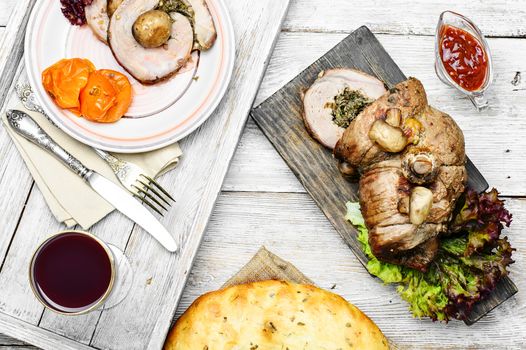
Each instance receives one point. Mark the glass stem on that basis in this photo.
(480, 101)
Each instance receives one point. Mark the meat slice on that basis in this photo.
(406, 196)
(148, 65)
(97, 18)
(205, 31)
(317, 99)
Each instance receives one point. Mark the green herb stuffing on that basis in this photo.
(468, 265)
(175, 6)
(347, 105)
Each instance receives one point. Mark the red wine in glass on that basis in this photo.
(72, 272)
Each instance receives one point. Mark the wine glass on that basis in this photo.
(74, 272)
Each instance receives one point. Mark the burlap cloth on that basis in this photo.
(267, 266)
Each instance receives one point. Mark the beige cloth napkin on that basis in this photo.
(70, 199)
(268, 266)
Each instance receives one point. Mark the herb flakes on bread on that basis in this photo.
(274, 315)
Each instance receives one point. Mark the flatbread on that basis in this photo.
(273, 315)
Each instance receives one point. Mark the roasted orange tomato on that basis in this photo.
(106, 97)
(124, 94)
(65, 79)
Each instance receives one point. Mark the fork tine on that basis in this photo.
(148, 203)
(158, 186)
(151, 188)
(146, 194)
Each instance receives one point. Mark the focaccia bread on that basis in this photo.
(273, 315)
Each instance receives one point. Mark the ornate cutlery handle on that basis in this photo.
(24, 125)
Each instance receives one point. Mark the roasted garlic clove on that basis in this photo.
(420, 204)
(390, 138)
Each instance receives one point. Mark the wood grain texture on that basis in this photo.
(12, 44)
(419, 17)
(280, 118)
(290, 224)
(36, 335)
(6, 6)
(494, 138)
(496, 18)
(197, 182)
(13, 175)
(155, 291)
(293, 227)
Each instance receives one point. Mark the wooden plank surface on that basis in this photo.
(6, 6)
(493, 137)
(419, 17)
(291, 225)
(155, 290)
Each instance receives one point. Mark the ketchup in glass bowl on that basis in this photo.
(463, 58)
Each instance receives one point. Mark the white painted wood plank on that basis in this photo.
(495, 18)
(6, 6)
(13, 175)
(258, 167)
(40, 337)
(8, 341)
(287, 182)
(16, 296)
(489, 134)
(291, 226)
(159, 276)
(11, 44)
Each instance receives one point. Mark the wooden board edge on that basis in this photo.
(504, 290)
(37, 336)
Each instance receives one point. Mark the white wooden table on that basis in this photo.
(262, 203)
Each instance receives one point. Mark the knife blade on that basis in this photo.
(132, 208)
(123, 201)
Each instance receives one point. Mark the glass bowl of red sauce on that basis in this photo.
(463, 58)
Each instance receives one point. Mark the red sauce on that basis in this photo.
(464, 57)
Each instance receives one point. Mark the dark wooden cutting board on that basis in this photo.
(280, 119)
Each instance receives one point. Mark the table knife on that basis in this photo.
(124, 202)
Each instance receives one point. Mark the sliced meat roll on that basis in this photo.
(317, 99)
(97, 18)
(148, 65)
(205, 30)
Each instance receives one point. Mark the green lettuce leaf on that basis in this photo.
(388, 273)
(467, 267)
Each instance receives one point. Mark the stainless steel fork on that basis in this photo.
(131, 176)
(134, 179)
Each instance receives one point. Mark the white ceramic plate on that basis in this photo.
(160, 114)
